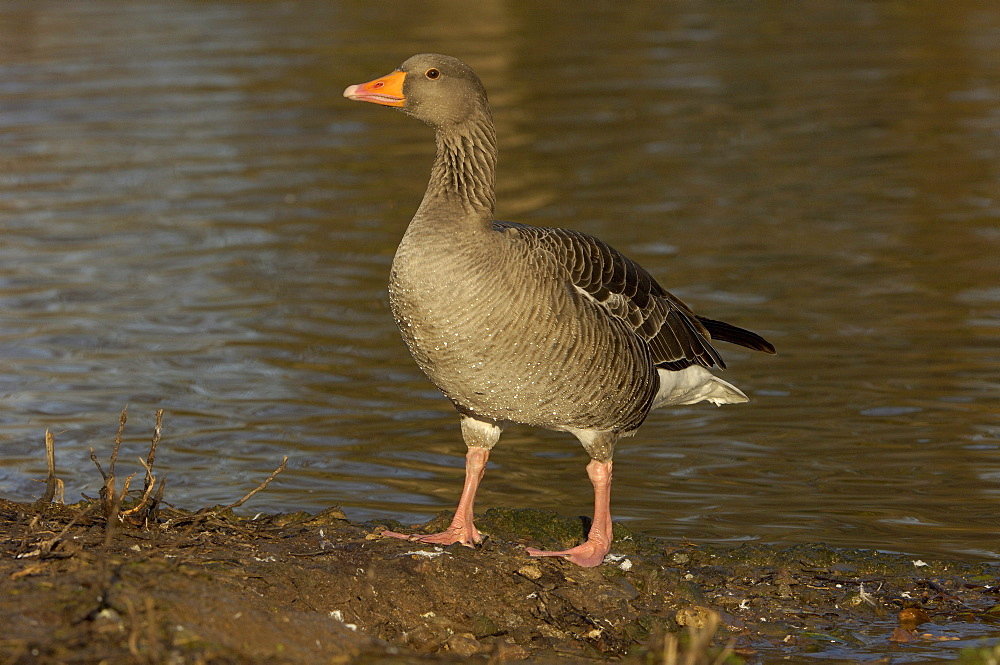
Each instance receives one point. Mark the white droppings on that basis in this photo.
(425, 553)
(339, 616)
(623, 562)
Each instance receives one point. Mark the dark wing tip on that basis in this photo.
(735, 335)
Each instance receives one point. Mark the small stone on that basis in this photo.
(694, 616)
(507, 651)
(900, 634)
(483, 626)
(463, 644)
(109, 621)
(531, 571)
(911, 617)
(426, 638)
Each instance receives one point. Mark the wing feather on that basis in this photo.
(677, 338)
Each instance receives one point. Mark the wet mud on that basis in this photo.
(213, 587)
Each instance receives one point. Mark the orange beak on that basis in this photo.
(387, 91)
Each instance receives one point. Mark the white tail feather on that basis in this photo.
(695, 384)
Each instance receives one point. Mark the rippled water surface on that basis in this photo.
(194, 219)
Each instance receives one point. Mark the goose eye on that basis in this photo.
(432, 73)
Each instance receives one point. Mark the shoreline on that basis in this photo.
(298, 588)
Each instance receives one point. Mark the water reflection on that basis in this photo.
(194, 219)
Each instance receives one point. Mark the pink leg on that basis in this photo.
(591, 553)
(462, 530)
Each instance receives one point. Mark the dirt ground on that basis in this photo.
(214, 588)
(125, 578)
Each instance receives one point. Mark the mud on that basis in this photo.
(298, 588)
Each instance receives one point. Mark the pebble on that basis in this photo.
(531, 571)
(507, 651)
(463, 644)
(694, 616)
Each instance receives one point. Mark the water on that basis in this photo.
(194, 219)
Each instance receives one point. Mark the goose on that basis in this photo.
(518, 324)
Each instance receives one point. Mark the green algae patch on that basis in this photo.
(526, 525)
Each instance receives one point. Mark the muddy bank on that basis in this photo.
(215, 588)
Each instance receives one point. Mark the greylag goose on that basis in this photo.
(545, 327)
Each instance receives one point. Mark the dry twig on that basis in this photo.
(246, 497)
(46, 546)
(109, 497)
(145, 509)
(53, 486)
(157, 430)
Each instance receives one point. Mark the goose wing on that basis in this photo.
(677, 338)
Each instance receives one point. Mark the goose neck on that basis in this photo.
(464, 171)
